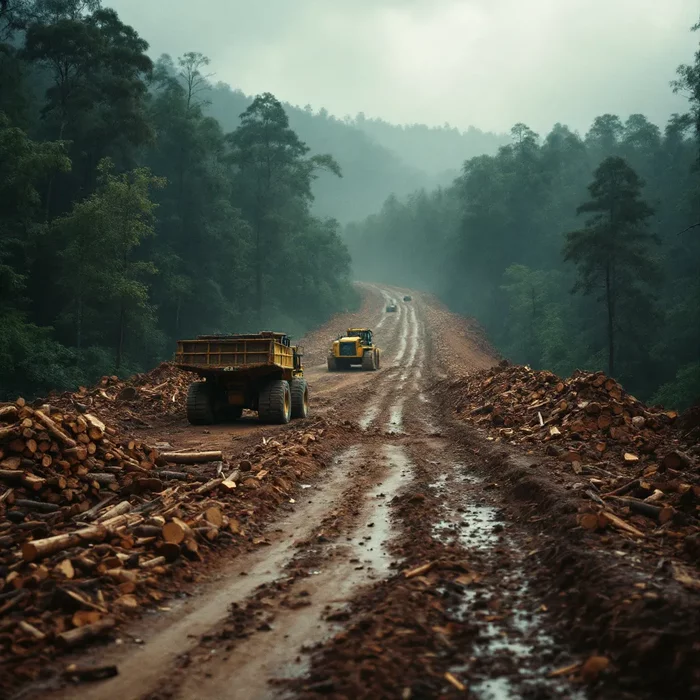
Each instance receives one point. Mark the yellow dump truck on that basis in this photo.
(356, 347)
(259, 371)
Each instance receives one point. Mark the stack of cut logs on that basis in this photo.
(630, 458)
(134, 401)
(89, 522)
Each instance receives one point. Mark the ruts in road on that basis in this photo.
(397, 573)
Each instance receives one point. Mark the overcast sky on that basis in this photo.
(487, 63)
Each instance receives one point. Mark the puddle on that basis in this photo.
(403, 341)
(519, 638)
(368, 416)
(395, 424)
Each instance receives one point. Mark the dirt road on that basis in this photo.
(403, 570)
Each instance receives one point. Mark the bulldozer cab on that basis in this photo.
(364, 334)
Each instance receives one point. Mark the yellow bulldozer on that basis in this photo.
(356, 347)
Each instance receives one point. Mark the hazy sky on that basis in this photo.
(488, 63)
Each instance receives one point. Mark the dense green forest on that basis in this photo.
(572, 251)
(129, 217)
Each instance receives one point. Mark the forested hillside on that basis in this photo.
(572, 251)
(377, 158)
(129, 218)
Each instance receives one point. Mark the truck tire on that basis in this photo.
(200, 404)
(368, 362)
(332, 364)
(300, 398)
(377, 360)
(275, 402)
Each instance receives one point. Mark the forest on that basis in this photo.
(130, 218)
(572, 251)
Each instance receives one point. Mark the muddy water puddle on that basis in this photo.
(513, 652)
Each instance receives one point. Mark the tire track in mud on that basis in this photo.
(400, 496)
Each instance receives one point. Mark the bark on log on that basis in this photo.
(192, 457)
(54, 430)
(164, 474)
(209, 486)
(37, 505)
(81, 634)
(119, 509)
(31, 551)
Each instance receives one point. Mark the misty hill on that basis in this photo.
(377, 158)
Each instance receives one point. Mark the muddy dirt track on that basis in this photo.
(415, 561)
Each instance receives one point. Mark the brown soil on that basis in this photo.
(410, 557)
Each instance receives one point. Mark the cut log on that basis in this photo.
(156, 561)
(53, 429)
(79, 635)
(213, 515)
(10, 463)
(176, 531)
(96, 428)
(640, 507)
(119, 509)
(677, 460)
(37, 505)
(620, 524)
(86, 617)
(103, 479)
(36, 549)
(165, 474)
(192, 457)
(209, 486)
(31, 630)
(92, 512)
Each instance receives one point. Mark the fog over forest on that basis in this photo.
(446, 146)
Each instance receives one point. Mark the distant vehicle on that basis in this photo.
(259, 371)
(391, 308)
(407, 297)
(356, 347)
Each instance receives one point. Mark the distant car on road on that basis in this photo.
(407, 297)
(391, 308)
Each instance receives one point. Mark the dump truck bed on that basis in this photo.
(235, 353)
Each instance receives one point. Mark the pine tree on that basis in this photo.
(612, 251)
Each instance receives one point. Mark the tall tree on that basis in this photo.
(274, 177)
(99, 268)
(612, 252)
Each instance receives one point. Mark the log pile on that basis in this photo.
(134, 402)
(638, 466)
(92, 526)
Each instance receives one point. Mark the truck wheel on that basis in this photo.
(200, 404)
(377, 360)
(300, 398)
(275, 402)
(368, 362)
(332, 364)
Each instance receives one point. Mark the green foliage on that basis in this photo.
(145, 222)
(611, 253)
(491, 247)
